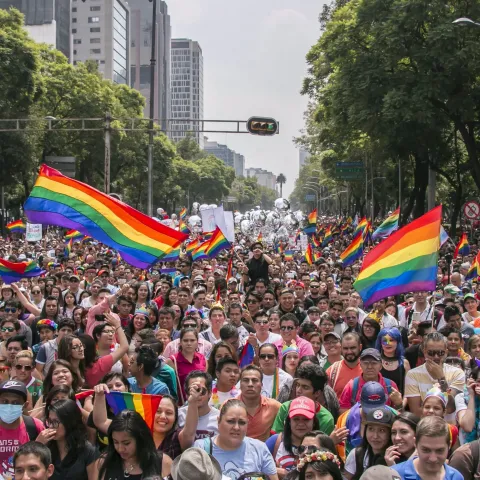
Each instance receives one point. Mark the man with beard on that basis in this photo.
(340, 373)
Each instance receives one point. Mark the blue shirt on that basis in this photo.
(155, 388)
(407, 471)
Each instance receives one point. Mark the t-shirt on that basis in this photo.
(251, 456)
(47, 354)
(283, 458)
(462, 460)
(98, 370)
(156, 387)
(284, 378)
(407, 471)
(346, 400)
(10, 441)
(272, 338)
(74, 466)
(35, 389)
(207, 425)
(339, 374)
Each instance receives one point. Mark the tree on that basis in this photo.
(281, 180)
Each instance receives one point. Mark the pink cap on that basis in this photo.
(302, 406)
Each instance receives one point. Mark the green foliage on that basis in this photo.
(249, 193)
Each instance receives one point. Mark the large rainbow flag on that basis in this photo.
(217, 243)
(62, 201)
(14, 271)
(389, 225)
(404, 262)
(353, 252)
(16, 227)
(474, 270)
(144, 404)
(462, 248)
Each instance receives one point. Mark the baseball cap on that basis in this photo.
(218, 272)
(381, 415)
(469, 295)
(380, 472)
(372, 396)
(198, 278)
(232, 280)
(101, 272)
(371, 352)
(12, 386)
(451, 289)
(76, 277)
(302, 406)
(332, 334)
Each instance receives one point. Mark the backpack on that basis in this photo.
(356, 382)
(31, 427)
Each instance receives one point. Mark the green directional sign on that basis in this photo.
(353, 171)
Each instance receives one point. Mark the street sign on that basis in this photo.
(472, 210)
(310, 197)
(349, 170)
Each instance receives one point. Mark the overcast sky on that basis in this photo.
(254, 63)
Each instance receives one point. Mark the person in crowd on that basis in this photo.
(320, 464)
(220, 350)
(216, 315)
(369, 332)
(104, 337)
(403, 439)
(224, 385)
(274, 322)
(455, 344)
(141, 366)
(290, 359)
(33, 461)
(23, 368)
(275, 380)
(71, 349)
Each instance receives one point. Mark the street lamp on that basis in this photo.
(466, 22)
(317, 189)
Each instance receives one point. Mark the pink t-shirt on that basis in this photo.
(98, 370)
(184, 367)
(10, 441)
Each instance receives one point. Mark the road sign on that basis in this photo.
(310, 197)
(349, 170)
(472, 210)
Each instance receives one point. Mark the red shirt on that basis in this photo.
(183, 367)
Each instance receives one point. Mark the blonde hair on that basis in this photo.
(24, 354)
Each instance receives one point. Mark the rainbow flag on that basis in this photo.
(361, 226)
(367, 234)
(312, 217)
(280, 248)
(16, 227)
(168, 271)
(86, 238)
(68, 248)
(172, 256)
(73, 234)
(183, 228)
(404, 262)
(247, 355)
(260, 237)
(353, 252)
(297, 236)
(192, 246)
(310, 230)
(444, 238)
(288, 256)
(309, 254)
(144, 404)
(328, 237)
(183, 213)
(217, 243)
(462, 248)
(14, 271)
(474, 270)
(62, 201)
(230, 268)
(201, 251)
(389, 225)
(316, 242)
(316, 255)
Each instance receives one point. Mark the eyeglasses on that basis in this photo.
(52, 423)
(305, 449)
(36, 292)
(27, 368)
(78, 347)
(251, 300)
(436, 353)
(8, 329)
(266, 356)
(285, 328)
(10, 310)
(189, 325)
(262, 322)
(331, 343)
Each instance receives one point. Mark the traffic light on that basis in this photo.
(262, 126)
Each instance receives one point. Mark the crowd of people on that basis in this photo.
(333, 389)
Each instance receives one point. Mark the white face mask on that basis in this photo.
(10, 413)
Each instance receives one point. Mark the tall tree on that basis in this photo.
(281, 180)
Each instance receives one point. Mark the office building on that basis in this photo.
(187, 89)
(47, 21)
(229, 157)
(303, 157)
(264, 177)
(140, 54)
(101, 32)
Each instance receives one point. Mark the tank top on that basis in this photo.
(397, 376)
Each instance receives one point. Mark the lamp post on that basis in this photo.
(314, 186)
(372, 180)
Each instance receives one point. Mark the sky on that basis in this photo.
(254, 64)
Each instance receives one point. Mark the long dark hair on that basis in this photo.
(70, 417)
(287, 433)
(47, 383)
(90, 352)
(43, 313)
(134, 425)
(65, 351)
(327, 467)
(169, 435)
(212, 364)
(365, 341)
(65, 389)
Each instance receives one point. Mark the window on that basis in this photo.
(95, 30)
(95, 9)
(74, 30)
(94, 40)
(77, 41)
(74, 9)
(93, 19)
(95, 51)
(102, 62)
(74, 20)
(74, 52)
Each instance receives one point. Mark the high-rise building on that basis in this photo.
(264, 177)
(47, 21)
(101, 32)
(229, 157)
(187, 89)
(303, 157)
(140, 54)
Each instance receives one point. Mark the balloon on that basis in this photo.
(282, 204)
(194, 221)
(238, 219)
(195, 207)
(299, 215)
(204, 206)
(160, 211)
(272, 219)
(174, 216)
(282, 234)
(212, 206)
(246, 226)
(290, 222)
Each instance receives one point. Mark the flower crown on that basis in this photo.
(436, 392)
(47, 323)
(290, 348)
(318, 456)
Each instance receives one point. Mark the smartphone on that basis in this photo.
(416, 317)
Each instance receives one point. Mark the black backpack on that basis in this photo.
(31, 427)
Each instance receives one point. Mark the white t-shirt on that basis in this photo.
(267, 385)
(351, 465)
(272, 338)
(207, 425)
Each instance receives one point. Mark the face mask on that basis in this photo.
(10, 413)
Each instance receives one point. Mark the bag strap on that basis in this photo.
(180, 391)
(31, 426)
(278, 441)
(388, 384)
(208, 445)
(333, 376)
(356, 382)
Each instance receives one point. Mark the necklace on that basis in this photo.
(128, 470)
(215, 401)
(388, 361)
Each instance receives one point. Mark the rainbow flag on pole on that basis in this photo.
(183, 213)
(62, 201)
(474, 270)
(309, 254)
(312, 217)
(16, 227)
(73, 234)
(404, 262)
(328, 237)
(462, 248)
(14, 271)
(217, 243)
(247, 355)
(353, 252)
(361, 226)
(389, 225)
(183, 228)
(201, 251)
(68, 248)
(144, 404)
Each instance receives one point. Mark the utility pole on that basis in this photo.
(106, 177)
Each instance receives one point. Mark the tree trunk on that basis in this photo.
(468, 136)
(421, 182)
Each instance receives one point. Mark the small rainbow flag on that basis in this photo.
(316, 242)
(183, 213)
(328, 237)
(16, 227)
(361, 226)
(310, 230)
(168, 271)
(444, 238)
(73, 234)
(297, 236)
(309, 254)
(172, 256)
(260, 237)
(247, 355)
(288, 256)
(68, 248)
(12, 272)
(87, 238)
(474, 270)
(389, 225)
(183, 228)
(192, 246)
(463, 248)
(404, 262)
(353, 252)
(201, 251)
(144, 404)
(58, 200)
(312, 217)
(217, 243)
(280, 248)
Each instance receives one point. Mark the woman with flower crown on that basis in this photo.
(319, 465)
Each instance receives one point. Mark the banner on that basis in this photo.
(34, 232)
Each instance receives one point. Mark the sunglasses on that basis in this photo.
(285, 328)
(305, 449)
(266, 356)
(436, 353)
(191, 325)
(10, 310)
(262, 322)
(52, 423)
(27, 368)
(8, 329)
(36, 292)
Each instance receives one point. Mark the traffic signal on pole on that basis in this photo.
(262, 126)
